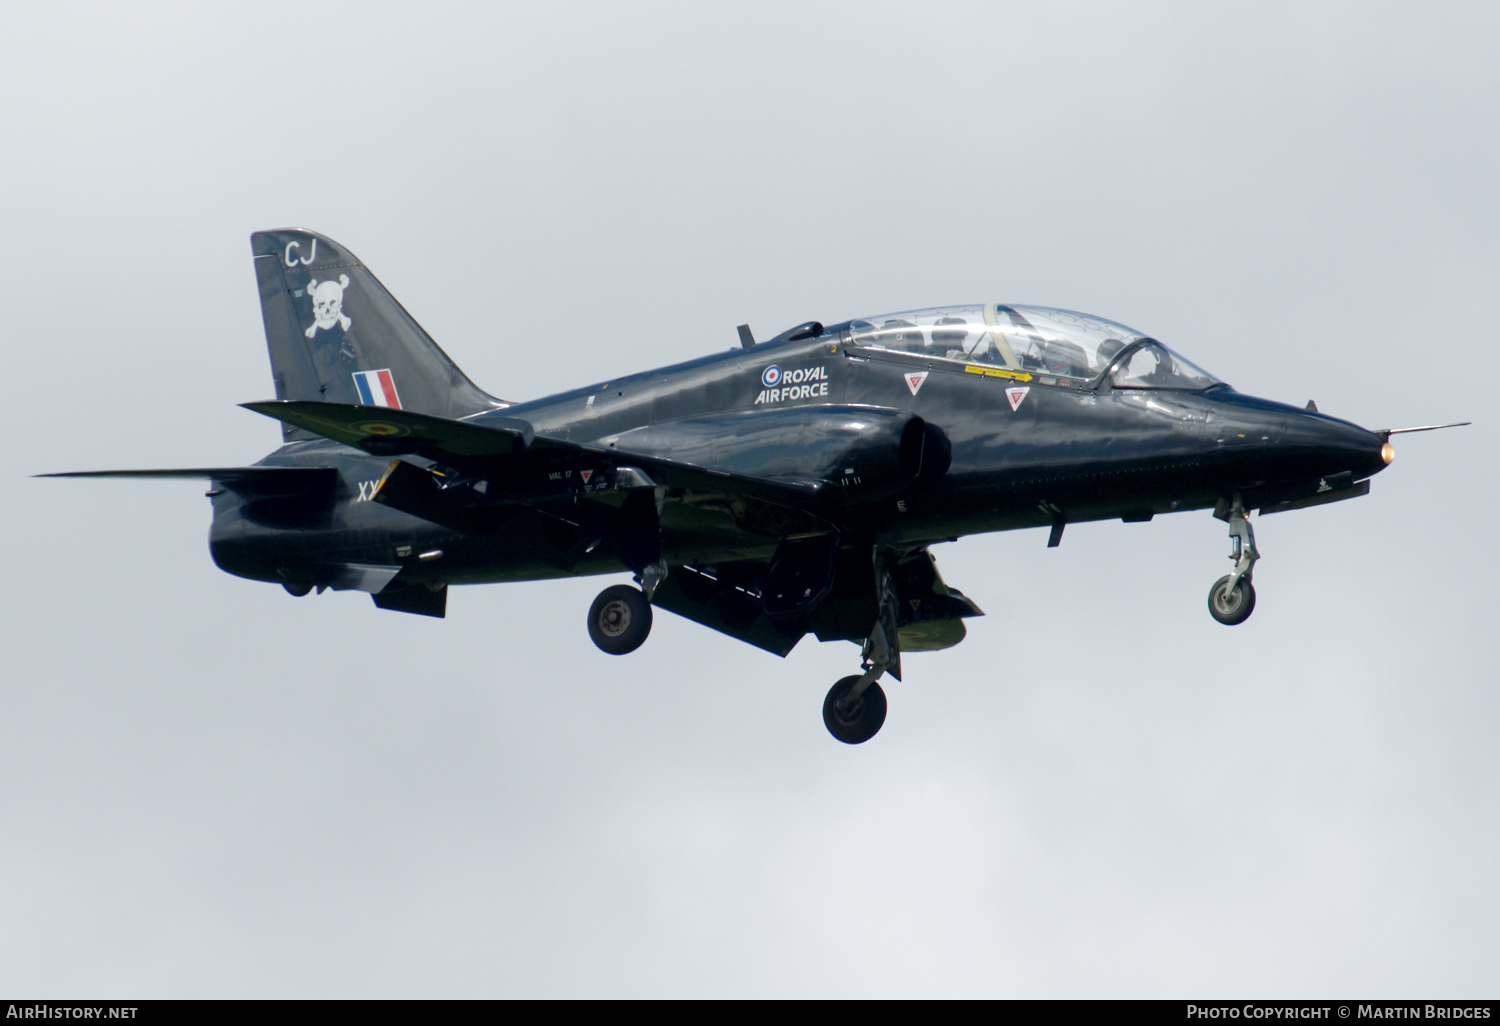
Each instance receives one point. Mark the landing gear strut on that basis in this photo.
(1232, 599)
(855, 707)
(620, 618)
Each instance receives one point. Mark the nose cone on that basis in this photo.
(1270, 441)
(1327, 445)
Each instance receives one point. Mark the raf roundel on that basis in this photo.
(379, 429)
(771, 376)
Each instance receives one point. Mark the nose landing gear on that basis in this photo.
(1232, 599)
(852, 717)
(854, 710)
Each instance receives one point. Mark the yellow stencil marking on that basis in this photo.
(996, 372)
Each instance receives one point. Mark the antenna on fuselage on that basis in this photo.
(746, 339)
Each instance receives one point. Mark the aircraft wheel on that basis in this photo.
(1231, 606)
(860, 721)
(298, 589)
(620, 619)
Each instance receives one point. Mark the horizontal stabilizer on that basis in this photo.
(263, 482)
(392, 432)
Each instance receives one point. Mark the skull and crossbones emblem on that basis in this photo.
(328, 304)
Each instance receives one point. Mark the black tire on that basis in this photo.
(620, 619)
(861, 721)
(1231, 607)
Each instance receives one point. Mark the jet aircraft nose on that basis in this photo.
(1271, 440)
(1333, 445)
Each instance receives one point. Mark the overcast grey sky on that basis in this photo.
(210, 789)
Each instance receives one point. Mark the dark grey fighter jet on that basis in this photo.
(787, 487)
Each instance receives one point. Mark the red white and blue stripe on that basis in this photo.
(377, 388)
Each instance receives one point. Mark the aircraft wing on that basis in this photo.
(479, 445)
(387, 432)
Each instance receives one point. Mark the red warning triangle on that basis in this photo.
(914, 381)
(1016, 395)
(585, 474)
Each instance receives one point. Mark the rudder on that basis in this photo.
(336, 335)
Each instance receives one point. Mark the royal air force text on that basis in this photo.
(791, 385)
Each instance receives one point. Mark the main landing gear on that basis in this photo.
(854, 710)
(1232, 599)
(620, 618)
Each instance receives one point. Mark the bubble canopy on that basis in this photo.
(1057, 346)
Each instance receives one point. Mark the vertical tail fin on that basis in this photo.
(336, 335)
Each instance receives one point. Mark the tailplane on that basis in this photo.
(336, 335)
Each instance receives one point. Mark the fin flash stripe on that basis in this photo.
(377, 388)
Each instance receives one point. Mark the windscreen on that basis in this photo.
(1153, 365)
